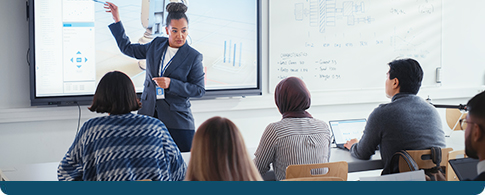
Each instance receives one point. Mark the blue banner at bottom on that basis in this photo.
(249, 188)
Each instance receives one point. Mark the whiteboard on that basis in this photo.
(346, 45)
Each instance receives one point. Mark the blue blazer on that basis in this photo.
(185, 72)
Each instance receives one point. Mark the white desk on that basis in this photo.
(48, 171)
(356, 165)
(32, 172)
(43, 171)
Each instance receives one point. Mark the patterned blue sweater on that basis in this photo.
(122, 148)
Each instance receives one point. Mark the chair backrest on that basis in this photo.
(450, 173)
(453, 115)
(3, 177)
(335, 169)
(315, 179)
(420, 156)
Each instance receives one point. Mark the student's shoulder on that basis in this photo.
(97, 120)
(315, 120)
(147, 118)
(384, 108)
(147, 121)
(115, 119)
(279, 126)
(92, 123)
(275, 124)
(296, 122)
(386, 105)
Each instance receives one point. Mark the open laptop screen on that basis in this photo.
(465, 168)
(345, 130)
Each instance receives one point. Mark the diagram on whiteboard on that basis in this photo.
(326, 13)
(346, 45)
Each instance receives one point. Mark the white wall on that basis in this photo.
(43, 134)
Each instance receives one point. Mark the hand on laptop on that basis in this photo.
(349, 144)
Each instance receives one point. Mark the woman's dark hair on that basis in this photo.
(409, 74)
(176, 11)
(115, 94)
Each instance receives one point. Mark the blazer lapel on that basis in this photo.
(177, 61)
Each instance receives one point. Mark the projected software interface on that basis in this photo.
(74, 47)
(78, 46)
(65, 57)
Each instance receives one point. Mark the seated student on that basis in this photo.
(475, 133)
(298, 138)
(408, 122)
(219, 154)
(121, 146)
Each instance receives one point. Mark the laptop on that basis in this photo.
(345, 130)
(465, 168)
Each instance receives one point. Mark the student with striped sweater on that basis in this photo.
(121, 146)
(298, 138)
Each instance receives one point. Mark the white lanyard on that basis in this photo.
(168, 63)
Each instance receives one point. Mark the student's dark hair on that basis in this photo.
(408, 72)
(176, 11)
(476, 106)
(115, 95)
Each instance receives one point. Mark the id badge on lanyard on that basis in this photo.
(160, 91)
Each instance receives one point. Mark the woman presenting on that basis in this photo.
(174, 73)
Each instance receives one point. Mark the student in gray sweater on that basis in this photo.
(406, 123)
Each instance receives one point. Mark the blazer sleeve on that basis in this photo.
(195, 86)
(136, 50)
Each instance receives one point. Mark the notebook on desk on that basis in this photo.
(345, 130)
(465, 168)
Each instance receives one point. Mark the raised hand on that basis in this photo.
(113, 9)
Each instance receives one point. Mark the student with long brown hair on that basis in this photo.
(219, 154)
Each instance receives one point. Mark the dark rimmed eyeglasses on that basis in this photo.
(464, 123)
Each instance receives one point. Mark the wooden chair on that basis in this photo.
(450, 173)
(3, 177)
(315, 179)
(420, 157)
(335, 169)
(453, 117)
